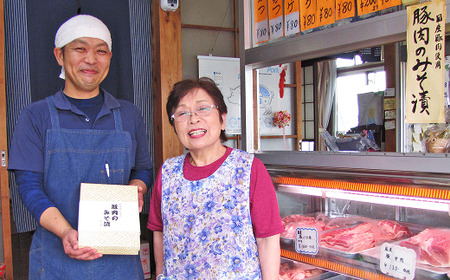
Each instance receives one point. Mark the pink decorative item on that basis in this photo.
(282, 119)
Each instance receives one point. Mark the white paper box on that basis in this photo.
(145, 260)
(109, 219)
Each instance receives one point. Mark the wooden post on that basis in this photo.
(4, 180)
(298, 104)
(166, 71)
(390, 134)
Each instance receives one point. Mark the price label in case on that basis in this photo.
(306, 241)
(397, 261)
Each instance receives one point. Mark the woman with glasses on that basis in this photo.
(213, 211)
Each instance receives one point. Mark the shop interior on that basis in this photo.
(344, 105)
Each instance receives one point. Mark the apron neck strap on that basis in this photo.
(117, 119)
(53, 113)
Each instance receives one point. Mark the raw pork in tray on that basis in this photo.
(292, 222)
(432, 246)
(363, 236)
(290, 270)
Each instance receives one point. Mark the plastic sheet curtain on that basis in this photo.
(32, 71)
(326, 91)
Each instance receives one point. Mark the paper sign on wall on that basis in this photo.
(261, 24)
(325, 12)
(291, 16)
(425, 63)
(345, 9)
(308, 14)
(367, 6)
(384, 4)
(276, 23)
(224, 71)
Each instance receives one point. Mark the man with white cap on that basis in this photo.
(69, 138)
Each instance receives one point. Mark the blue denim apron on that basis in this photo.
(73, 157)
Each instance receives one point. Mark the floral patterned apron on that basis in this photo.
(207, 225)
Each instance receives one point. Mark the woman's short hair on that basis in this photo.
(182, 88)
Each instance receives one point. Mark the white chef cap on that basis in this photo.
(81, 26)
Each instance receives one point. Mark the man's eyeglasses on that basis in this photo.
(201, 111)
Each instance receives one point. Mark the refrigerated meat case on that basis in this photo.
(409, 188)
(412, 190)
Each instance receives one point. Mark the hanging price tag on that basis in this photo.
(345, 9)
(397, 261)
(308, 14)
(325, 11)
(367, 6)
(261, 24)
(306, 241)
(384, 4)
(291, 16)
(276, 29)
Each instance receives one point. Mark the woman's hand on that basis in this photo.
(70, 243)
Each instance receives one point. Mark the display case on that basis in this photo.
(406, 192)
(340, 216)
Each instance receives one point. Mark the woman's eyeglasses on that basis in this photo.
(201, 111)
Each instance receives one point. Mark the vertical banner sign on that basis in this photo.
(291, 16)
(276, 23)
(261, 32)
(425, 63)
(345, 9)
(384, 4)
(308, 14)
(367, 6)
(325, 12)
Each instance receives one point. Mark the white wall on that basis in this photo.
(217, 13)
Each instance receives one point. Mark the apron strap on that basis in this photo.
(117, 120)
(53, 113)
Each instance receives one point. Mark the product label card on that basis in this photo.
(397, 261)
(108, 215)
(306, 241)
